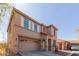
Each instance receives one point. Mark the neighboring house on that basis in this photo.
(63, 45)
(26, 34)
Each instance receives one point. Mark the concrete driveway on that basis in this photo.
(39, 53)
(75, 53)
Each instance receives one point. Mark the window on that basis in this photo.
(35, 27)
(49, 31)
(26, 23)
(54, 43)
(54, 32)
(44, 29)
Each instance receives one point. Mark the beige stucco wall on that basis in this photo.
(11, 40)
(18, 30)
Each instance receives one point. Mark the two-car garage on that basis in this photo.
(28, 44)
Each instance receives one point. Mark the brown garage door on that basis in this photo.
(29, 45)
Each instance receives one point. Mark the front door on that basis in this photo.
(49, 44)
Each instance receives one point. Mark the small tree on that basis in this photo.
(4, 7)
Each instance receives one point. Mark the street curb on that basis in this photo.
(70, 54)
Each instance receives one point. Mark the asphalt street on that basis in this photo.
(75, 53)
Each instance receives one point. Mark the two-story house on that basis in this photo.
(26, 34)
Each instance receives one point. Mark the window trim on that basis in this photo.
(22, 21)
(31, 25)
(35, 27)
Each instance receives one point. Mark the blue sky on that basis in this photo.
(64, 16)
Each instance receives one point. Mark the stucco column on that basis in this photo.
(41, 45)
(46, 43)
(51, 44)
(17, 44)
(62, 45)
(66, 46)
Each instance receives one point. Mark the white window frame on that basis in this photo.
(32, 26)
(22, 24)
(29, 24)
(38, 28)
(22, 21)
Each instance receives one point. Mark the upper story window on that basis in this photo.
(35, 27)
(49, 31)
(26, 23)
(30, 25)
(53, 31)
(44, 29)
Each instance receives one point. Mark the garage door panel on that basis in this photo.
(29, 45)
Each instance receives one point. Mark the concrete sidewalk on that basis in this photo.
(70, 53)
(75, 53)
(64, 52)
